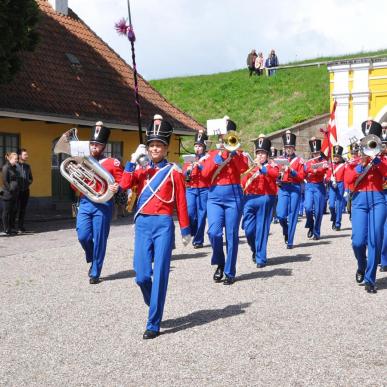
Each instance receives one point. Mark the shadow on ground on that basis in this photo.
(202, 317)
(313, 243)
(120, 275)
(189, 256)
(381, 283)
(288, 259)
(264, 274)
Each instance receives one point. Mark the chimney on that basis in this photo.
(60, 6)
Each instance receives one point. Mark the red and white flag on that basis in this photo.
(330, 134)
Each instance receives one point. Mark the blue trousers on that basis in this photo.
(336, 203)
(314, 206)
(287, 209)
(93, 226)
(257, 213)
(368, 218)
(154, 236)
(384, 248)
(224, 210)
(197, 212)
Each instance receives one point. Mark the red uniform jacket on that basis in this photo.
(113, 166)
(295, 173)
(264, 183)
(197, 180)
(372, 181)
(230, 173)
(172, 191)
(338, 172)
(315, 175)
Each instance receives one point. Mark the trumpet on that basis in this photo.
(231, 141)
(85, 173)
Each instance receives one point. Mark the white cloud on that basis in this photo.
(179, 37)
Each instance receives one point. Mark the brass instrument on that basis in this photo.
(84, 172)
(231, 141)
(370, 145)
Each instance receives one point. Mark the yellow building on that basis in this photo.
(74, 79)
(360, 88)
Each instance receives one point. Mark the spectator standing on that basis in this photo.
(271, 61)
(11, 181)
(251, 61)
(25, 174)
(259, 64)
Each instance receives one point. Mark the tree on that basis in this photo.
(18, 20)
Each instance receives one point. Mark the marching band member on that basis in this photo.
(197, 191)
(273, 154)
(335, 178)
(224, 206)
(366, 176)
(289, 194)
(383, 263)
(315, 189)
(93, 219)
(260, 191)
(161, 188)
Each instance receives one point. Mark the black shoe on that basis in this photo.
(13, 232)
(316, 238)
(22, 229)
(218, 275)
(228, 281)
(310, 233)
(371, 288)
(289, 247)
(148, 335)
(359, 277)
(94, 280)
(333, 226)
(199, 246)
(261, 265)
(286, 238)
(383, 268)
(337, 228)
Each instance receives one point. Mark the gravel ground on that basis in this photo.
(301, 321)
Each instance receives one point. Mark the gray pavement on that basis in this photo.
(301, 321)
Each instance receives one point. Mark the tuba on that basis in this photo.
(371, 145)
(84, 171)
(231, 141)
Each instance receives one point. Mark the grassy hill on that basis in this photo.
(256, 104)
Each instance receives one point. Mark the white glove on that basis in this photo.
(141, 150)
(345, 194)
(186, 239)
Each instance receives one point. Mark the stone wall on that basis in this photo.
(304, 131)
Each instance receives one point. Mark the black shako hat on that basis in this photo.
(384, 133)
(338, 150)
(262, 143)
(200, 138)
(273, 152)
(159, 130)
(231, 125)
(315, 145)
(100, 134)
(371, 127)
(289, 139)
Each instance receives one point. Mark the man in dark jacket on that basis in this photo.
(25, 182)
(10, 193)
(250, 61)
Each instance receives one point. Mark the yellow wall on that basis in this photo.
(37, 137)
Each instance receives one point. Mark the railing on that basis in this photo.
(374, 58)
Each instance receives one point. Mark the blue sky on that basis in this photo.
(189, 37)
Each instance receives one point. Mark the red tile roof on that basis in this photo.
(101, 88)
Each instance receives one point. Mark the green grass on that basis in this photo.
(256, 104)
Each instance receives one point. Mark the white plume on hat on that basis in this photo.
(99, 123)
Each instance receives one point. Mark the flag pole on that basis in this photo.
(124, 29)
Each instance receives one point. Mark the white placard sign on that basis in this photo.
(217, 126)
(80, 148)
(189, 158)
